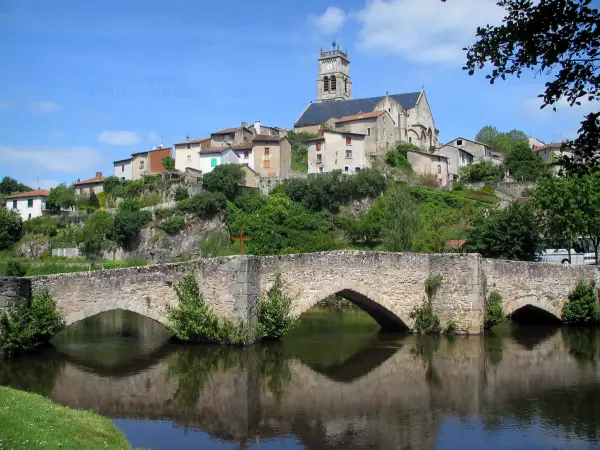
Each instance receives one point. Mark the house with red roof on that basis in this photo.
(94, 184)
(378, 127)
(29, 204)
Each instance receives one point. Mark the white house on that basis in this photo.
(215, 156)
(457, 158)
(29, 204)
(123, 169)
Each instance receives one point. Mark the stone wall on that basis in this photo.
(12, 291)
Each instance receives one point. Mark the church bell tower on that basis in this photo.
(333, 82)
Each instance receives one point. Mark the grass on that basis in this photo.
(34, 422)
(477, 195)
(300, 162)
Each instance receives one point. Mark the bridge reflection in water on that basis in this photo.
(374, 391)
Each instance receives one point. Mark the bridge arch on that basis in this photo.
(379, 308)
(143, 310)
(534, 310)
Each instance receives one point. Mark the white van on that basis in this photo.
(582, 253)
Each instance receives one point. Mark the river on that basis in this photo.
(333, 383)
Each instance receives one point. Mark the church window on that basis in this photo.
(348, 153)
(333, 82)
(326, 84)
(345, 86)
(368, 132)
(348, 140)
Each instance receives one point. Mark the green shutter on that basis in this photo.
(213, 162)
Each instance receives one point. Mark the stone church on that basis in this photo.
(409, 116)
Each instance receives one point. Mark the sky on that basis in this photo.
(85, 83)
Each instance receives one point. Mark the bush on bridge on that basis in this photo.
(194, 321)
(493, 310)
(28, 327)
(582, 306)
(275, 319)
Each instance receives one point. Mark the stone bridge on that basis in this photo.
(388, 286)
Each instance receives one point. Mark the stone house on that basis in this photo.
(257, 128)
(149, 162)
(29, 204)
(457, 158)
(231, 136)
(123, 169)
(272, 155)
(479, 150)
(86, 187)
(551, 153)
(410, 112)
(187, 154)
(429, 164)
(378, 127)
(337, 150)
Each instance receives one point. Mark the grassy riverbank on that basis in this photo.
(34, 422)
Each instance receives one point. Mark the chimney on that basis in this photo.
(257, 126)
(244, 124)
(98, 174)
(187, 138)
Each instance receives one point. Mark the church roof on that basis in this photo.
(323, 111)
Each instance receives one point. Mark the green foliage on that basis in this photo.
(401, 220)
(432, 285)
(192, 320)
(512, 233)
(168, 163)
(330, 190)
(11, 227)
(111, 185)
(488, 190)
(9, 186)
(527, 192)
(275, 318)
(398, 157)
(481, 171)
(426, 320)
(525, 165)
(15, 269)
(61, 197)
(204, 205)
(451, 327)
(493, 310)
(299, 145)
(225, 179)
(367, 229)
(565, 36)
(149, 200)
(128, 224)
(93, 201)
(181, 193)
(218, 243)
(582, 306)
(46, 226)
(173, 224)
(27, 327)
(97, 231)
(101, 199)
(458, 186)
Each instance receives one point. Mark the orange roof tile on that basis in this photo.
(98, 178)
(36, 193)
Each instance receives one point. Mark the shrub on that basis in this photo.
(218, 243)
(173, 224)
(493, 310)
(168, 163)
(15, 269)
(96, 231)
(488, 190)
(46, 226)
(27, 327)
(225, 179)
(451, 327)
(204, 205)
(582, 306)
(192, 320)
(11, 227)
(274, 312)
(432, 285)
(128, 224)
(93, 201)
(426, 320)
(150, 200)
(481, 171)
(101, 199)
(458, 186)
(430, 180)
(527, 192)
(181, 193)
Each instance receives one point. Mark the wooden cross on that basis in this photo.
(241, 238)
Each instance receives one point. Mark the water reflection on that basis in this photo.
(335, 383)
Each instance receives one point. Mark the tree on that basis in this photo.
(11, 227)
(556, 201)
(401, 221)
(587, 190)
(61, 197)
(10, 186)
(487, 135)
(93, 201)
(96, 232)
(168, 163)
(225, 178)
(558, 38)
(525, 165)
(112, 184)
(481, 171)
(128, 224)
(511, 233)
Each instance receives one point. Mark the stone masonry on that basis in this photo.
(388, 286)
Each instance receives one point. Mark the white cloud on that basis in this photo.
(154, 138)
(330, 21)
(40, 160)
(45, 107)
(425, 30)
(4, 104)
(126, 138)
